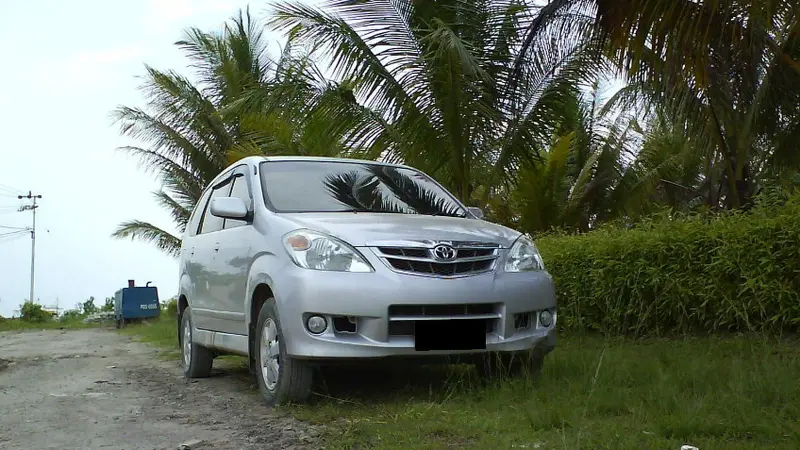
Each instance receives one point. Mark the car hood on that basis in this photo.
(366, 229)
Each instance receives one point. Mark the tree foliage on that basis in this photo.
(435, 79)
(725, 71)
(506, 102)
(187, 129)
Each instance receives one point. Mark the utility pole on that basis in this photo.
(32, 208)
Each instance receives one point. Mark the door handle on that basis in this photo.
(216, 247)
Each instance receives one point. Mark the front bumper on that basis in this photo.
(366, 298)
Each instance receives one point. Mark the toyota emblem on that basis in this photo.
(444, 252)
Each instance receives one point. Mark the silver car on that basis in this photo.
(295, 261)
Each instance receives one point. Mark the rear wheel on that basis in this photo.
(281, 379)
(196, 359)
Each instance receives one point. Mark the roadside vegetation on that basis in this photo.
(649, 146)
(161, 332)
(18, 324)
(732, 272)
(727, 391)
(732, 392)
(33, 317)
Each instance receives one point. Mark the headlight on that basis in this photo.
(523, 256)
(312, 250)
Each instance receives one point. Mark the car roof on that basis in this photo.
(258, 159)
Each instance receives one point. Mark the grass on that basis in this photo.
(162, 333)
(732, 393)
(19, 324)
(735, 392)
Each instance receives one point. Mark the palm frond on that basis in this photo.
(179, 212)
(144, 231)
(412, 193)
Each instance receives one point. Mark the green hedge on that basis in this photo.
(734, 273)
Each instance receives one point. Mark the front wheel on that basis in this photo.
(196, 359)
(281, 379)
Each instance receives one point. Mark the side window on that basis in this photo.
(241, 191)
(197, 214)
(211, 222)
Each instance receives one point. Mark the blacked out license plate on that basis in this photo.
(452, 334)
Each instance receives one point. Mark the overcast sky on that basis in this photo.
(67, 65)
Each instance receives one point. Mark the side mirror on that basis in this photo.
(229, 208)
(476, 212)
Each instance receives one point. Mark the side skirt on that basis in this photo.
(236, 344)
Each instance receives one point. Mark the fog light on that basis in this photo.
(316, 324)
(545, 318)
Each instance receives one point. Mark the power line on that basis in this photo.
(4, 237)
(23, 230)
(15, 228)
(7, 191)
(6, 187)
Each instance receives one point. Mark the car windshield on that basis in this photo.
(324, 186)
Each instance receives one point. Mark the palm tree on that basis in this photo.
(604, 165)
(186, 128)
(428, 83)
(726, 71)
(290, 114)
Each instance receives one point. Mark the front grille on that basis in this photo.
(402, 318)
(399, 251)
(469, 259)
(443, 269)
(442, 310)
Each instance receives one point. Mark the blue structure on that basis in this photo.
(136, 303)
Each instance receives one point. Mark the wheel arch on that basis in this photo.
(260, 293)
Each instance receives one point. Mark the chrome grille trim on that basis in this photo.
(403, 318)
(418, 259)
(452, 317)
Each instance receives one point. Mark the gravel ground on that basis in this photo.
(91, 389)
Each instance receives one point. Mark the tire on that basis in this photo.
(196, 359)
(500, 366)
(294, 377)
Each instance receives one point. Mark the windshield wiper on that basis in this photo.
(442, 214)
(352, 210)
(375, 211)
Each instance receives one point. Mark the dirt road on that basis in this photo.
(92, 389)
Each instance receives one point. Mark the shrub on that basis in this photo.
(736, 272)
(108, 305)
(72, 314)
(32, 312)
(88, 307)
(171, 307)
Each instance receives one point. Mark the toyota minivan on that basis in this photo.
(297, 261)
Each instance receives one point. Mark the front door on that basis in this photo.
(233, 259)
(190, 275)
(205, 307)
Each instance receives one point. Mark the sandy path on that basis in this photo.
(91, 389)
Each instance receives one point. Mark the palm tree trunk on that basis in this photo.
(742, 182)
